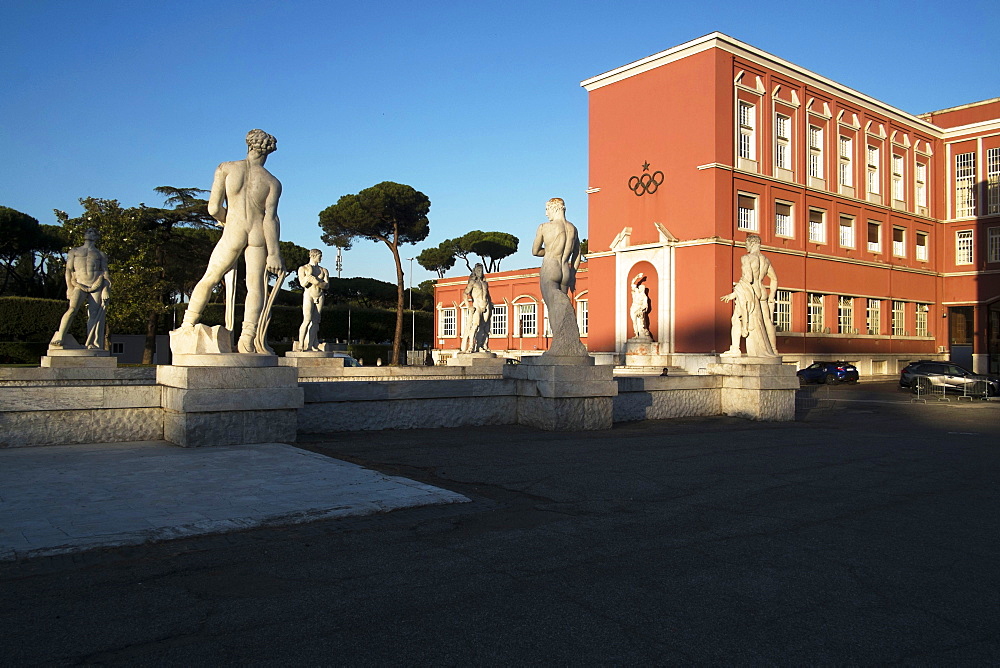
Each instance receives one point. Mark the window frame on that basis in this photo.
(782, 310)
(898, 174)
(449, 321)
(845, 158)
(522, 314)
(965, 184)
(898, 318)
(993, 180)
(873, 317)
(754, 212)
(873, 162)
(820, 225)
(816, 170)
(746, 132)
(926, 246)
(876, 246)
(845, 314)
(783, 158)
(499, 323)
(789, 223)
(814, 313)
(965, 247)
(993, 244)
(922, 319)
(899, 247)
(851, 227)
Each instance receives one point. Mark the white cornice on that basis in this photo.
(744, 50)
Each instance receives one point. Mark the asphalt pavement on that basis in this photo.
(865, 532)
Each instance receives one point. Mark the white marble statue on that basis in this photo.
(753, 308)
(557, 242)
(480, 312)
(244, 201)
(314, 280)
(87, 282)
(640, 309)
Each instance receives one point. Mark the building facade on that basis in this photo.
(883, 227)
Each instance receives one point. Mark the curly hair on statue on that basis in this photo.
(261, 141)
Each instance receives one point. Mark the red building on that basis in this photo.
(883, 227)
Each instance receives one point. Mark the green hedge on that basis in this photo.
(367, 325)
(30, 319)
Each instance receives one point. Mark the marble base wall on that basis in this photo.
(229, 405)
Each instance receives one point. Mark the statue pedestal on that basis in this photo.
(563, 393)
(229, 399)
(644, 352)
(485, 360)
(77, 358)
(758, 388)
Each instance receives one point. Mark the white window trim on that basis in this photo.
(754, 216)
(993, 244)
(496, 322)
(852, 227)
(965, 247)
(821, 226)
(790, 222)
(925, 253)
(898, 247)
(965, 184)
(876, 246)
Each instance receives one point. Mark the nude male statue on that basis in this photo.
(557, 242)
(314, 280)
(87, 282)
(477, 294)
(244, 201)
(753, 311)
(640, 307)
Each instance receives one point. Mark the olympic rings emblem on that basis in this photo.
(646, 184)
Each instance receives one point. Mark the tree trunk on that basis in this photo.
(397, 339)
(150, 347)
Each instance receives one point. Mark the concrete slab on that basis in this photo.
(75, 497)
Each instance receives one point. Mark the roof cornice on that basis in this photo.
(734, 46)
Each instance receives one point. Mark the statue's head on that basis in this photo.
(91, 234)
(478, 270)
(316, 254)
(260, 141)
(753, 242)
(554, 206)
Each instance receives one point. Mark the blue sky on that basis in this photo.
(477, 104)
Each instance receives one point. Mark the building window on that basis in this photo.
(846, 156)
(846, 232)
(963, 247)
(748, 123)
(815, 313)
(965, 185)
(921, 314)
(873, 170)
(527, 320)
(817, 226)
(873, 316)
(448, 322)
(897, 178)
(815, 152)
(845, 315)
(921, 184)
(874, 237)
(746, 207)
(782, 141)
(498, 321)
(582, 316)
(993, 244)
(993, 180)
(899, 242)
(898, 318)
(783, 311)
(783, 226)
(921, 253)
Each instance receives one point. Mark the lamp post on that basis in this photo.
(413, 316)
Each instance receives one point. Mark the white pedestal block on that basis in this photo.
(479, 361)
(756, 390)
(79, 358)
(229, 405)
(563, 396)
(645, 353)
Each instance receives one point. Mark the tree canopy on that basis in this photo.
(391, 213)
(491, 247)
(25, 245)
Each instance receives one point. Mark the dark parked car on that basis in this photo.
(930, 375)
(830, 373)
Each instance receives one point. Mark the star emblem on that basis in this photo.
(645, 166)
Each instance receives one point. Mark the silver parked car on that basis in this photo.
(929, 375)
